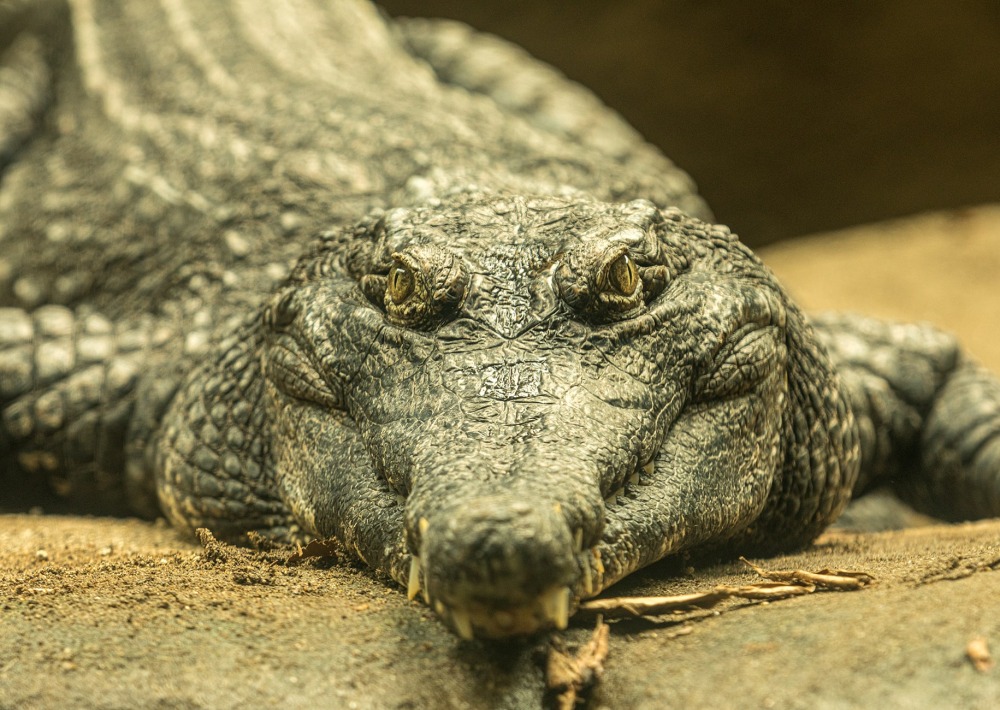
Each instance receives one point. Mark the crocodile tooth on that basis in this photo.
(462, 624)
(578, 539)
(598, 563)
(556, 607)
(423, 525)
(426, 590)
(613, 498)
(561, 616)
(401, 499)
(633, 479)
(549, 604)
(649, 467)
(413, 587)
(439, 608)
(588, 579)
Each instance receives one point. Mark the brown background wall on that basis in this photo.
(792, 117)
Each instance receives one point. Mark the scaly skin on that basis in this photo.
(510, 363)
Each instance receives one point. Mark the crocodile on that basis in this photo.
(301, 271)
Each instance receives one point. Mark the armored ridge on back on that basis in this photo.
(510, 365)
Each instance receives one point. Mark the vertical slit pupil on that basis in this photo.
(400, 283)
(623, 275)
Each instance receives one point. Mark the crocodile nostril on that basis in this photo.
(498, 549)
(520, 507)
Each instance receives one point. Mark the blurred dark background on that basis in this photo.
(792, 117)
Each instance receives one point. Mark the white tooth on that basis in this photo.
(401, 499)
(561, 616)
(413, 587)
(463, 624)
(613, 498)
(427, 592)
(634, 479)
(439, 608)
(549, 604)
(578, 539)
(423, 524)
(556, 607)
(649, 468)
(588, 579)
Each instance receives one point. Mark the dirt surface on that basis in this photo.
(941, 267)
(99, 613)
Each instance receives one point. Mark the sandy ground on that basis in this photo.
(941, 267)
(98, 613)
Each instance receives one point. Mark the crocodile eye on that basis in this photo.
(400, 284)
(623, 277)
(601, 281)
(422, 288)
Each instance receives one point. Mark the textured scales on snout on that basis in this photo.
(297, 270)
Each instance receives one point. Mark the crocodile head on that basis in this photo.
(508, 403)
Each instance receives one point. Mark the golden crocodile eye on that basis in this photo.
(400, 284)
(623, 276)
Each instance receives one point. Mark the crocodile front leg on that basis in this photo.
(25, 77)
(928, 416)
(79, 396)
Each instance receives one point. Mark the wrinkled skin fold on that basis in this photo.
(508, 403)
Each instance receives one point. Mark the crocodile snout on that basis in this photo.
(505, 471)
(500, 564)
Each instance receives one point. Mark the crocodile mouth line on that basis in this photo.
(550, 608)
(616, 496)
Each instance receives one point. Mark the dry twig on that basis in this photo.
(315, 548)
(790, 583)
(624, 607)
(842, 580)
(570, 676)
(632, 607)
